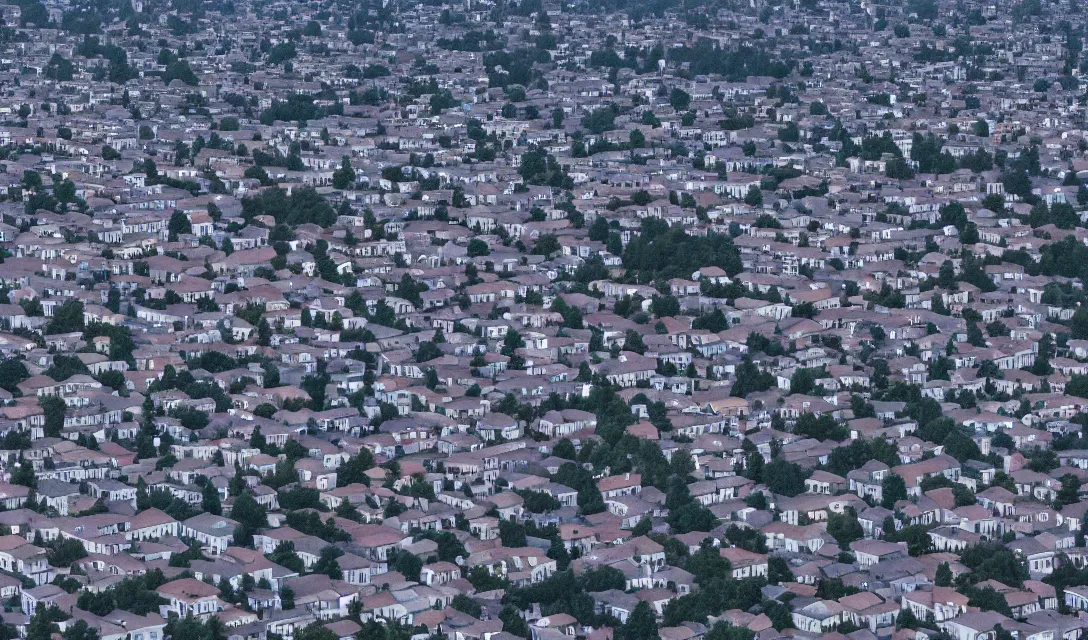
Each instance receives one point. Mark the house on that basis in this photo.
(745, 564)
(214, 533)
(935, 604)
(189, 596)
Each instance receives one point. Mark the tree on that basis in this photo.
(845, 527)
(565, 449)
(679, 99)
(427, 351)
(641, 625)
(42, 625)
(513, 623)
(754, 197)
(344, 177)
(55, 409)
(988, 599)
(65, 552)
(80, 631)
(327, 563)
(12, 372)
(285, 556)
(59, 68)
(725, 631)
(991, 560)
(250, 516)
(180, 70)
(67, 318)
(1041, 366)
(893, 489)
(943, 577)
(785, 478)
(1068, 494)
(287, 598)
(1079, 325)
(23, 474)
(467, 605)
(354, 470)
(546, 245)
(210, 499)
(478, 248)
(408, 564)
(665, 306)
(821, 428)
(778, 570)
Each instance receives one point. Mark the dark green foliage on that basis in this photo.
(408, 564)
(327, 563)
(285, 556)
(250, 516)
(560, 593)
(823, 427)
(845, 459)
(136, 594)
(988, 599)
(893, 489)
(750, 379)
(65, 552)
(576, 477)
(449, 547)
(538, 167)
(466, 605)
(180, 70)
(513, 623)
(54, 408)
(12, 372)
(845, 527)
(603, 578)
(992, 561)
(664, 252)
(641, 625)
(66, 318)
(303, 206)
(748, 538)
(784, 477)
(539, 502)
(210, 500)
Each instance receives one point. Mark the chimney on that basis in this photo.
(627, 476)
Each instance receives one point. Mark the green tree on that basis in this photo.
(679, 99)
(80, 631)
(67, 318)
(845, 527)
(641, 625)
(210, 501)
(478, 248)
(344, 177)
(54, 409)
(943, 576)
(1068, 494)
(42, 624)
(893, 489)
(513, 623)
(250, 515)
(785, 478)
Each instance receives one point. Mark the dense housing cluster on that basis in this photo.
(498, 319)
